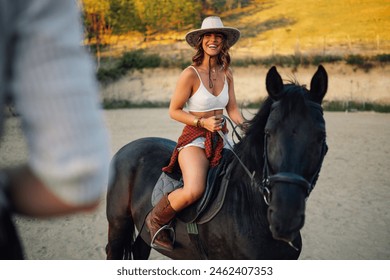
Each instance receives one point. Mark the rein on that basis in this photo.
(225, 140)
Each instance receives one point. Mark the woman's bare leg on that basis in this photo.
(194, 166)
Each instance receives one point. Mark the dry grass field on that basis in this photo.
(325, 26)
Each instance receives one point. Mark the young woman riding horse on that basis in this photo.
(207, 88)
(262, 214)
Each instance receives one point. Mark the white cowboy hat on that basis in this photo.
(213, 24)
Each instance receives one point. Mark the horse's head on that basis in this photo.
(294, 147)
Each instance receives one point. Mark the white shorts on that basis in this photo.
(199, 142)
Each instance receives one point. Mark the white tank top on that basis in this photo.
(203, 100)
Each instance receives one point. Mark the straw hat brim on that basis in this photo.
(232, 35)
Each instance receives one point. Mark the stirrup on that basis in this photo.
(172, 234)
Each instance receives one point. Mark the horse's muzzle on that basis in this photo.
(285, 229)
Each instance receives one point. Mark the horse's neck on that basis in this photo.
(245, 204)
(250, 153)
(247, 190)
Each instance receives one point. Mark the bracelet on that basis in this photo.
(196, 121)
(199, 123)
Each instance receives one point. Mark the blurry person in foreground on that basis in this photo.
(50, 79)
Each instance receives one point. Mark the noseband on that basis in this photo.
(289, 177)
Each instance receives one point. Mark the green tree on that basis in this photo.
(124, 16)
(165, 15)
(94, 15)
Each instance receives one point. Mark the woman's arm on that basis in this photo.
(180, 96)
(232, 107)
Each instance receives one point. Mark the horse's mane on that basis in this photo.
(250, 148)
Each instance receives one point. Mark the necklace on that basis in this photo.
(213, 75)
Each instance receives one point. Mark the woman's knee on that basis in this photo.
(192, 195)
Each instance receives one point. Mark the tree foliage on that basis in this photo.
(123, 17)
(151, 16)
(169, 14)
(95, 17)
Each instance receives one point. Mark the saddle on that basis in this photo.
(205, 209)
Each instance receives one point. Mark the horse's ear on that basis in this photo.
(319, 85)
(274, 84)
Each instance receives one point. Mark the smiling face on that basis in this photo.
(212, 43)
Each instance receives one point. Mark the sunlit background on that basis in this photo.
(268, 27)
(128, 35)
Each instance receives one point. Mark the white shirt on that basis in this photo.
(50, 78)
(204, 101)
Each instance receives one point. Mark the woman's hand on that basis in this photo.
(213, 123)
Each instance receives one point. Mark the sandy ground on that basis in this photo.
(348, 214)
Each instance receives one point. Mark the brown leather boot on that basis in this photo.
(160, 216)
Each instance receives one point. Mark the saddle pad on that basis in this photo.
(165, 184)
(209, 204)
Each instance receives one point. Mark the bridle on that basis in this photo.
(289, 177)
(269, 180)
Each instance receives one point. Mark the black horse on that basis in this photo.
(10, 245)
(262, 215)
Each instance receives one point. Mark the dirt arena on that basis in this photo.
(348, 213)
